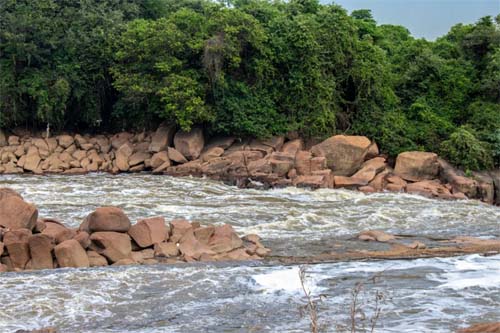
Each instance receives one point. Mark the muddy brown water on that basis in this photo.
(421, 295)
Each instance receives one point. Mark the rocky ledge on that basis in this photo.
(351, 162)
(107, 237)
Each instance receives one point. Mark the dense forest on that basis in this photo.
(251, 68)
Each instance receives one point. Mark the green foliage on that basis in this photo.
(251, 68)
(465, 150)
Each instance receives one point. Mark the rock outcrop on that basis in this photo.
(341, 161)
(106, 237)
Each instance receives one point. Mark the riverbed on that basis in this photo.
(422, 295)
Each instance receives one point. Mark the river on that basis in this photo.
(422, 295)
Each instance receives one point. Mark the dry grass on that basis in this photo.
(364, 313)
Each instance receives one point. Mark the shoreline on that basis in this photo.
(351, 162)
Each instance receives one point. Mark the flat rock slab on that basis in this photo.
(402, 247)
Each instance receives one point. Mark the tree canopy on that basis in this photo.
(251, 68)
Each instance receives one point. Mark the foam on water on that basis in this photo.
(425, 295)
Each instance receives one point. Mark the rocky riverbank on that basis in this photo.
(351, 162)
(107, 237)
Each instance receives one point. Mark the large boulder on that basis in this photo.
(190, 144)
(416, 166)
(15, 213)
(112, 245)
(159, 159)
(162, 138)
(6, 192)
(224, 239)
(108, 219)
(65, 140)
(149, 231)
(41, 251)
(122, 156)
(57, 231)
(16, 242)
(71, 254)
(344, 154)
(32, 159)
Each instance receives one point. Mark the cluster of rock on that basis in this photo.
(351, 162)
(107, 237)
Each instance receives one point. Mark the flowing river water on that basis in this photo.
(421, 295)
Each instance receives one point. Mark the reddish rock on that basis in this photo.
(112, 245)
(166, 250)
(429, 188)
(203, 234)
(138, 158)
(15, 213)
(190, 247)
(372, 151)
(312, 181)
(348, 182)
(124, 262)
(367, 189)
(211, 153)
(190, 144)
(179, 228)
(71, 254)
(221, 142)
(375, 235)
(65, 140)
(57, 231)
(96, 260)
(159, 159)
(83, 238)
(176, 156)
(482, 328)
(16, 242)
(122, 156)
(293, 146)
(149, 231)
(303, 163)
(162, 138)
(7, 192)
(108, 219)
(224, 239)
(41, 251)
(417, 165)
(344, 154)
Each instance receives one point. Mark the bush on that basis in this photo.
(464, 150)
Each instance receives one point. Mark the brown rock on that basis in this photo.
(57, 231)
(293, 146)
(429, 188)
(15, 213)
(221, 142)
(416, 166)
(32, 159)
(16, 242)
(162, 138)
(96, 260)
(41, 251)
(176, 156)
(65, 140)
(189, 144)
(482, 328)
(71, 254)
(166, 250)
(121, 157)
(203, 234)
(179, 228)
(7, 192)
(159, 159)
(485, 187)
(162, 168)
(211, 153)
(120, 139)
(224, 239)
(348, 182)
(375, 235)
(138, 158)
(108, 219)
(190, 247)
(124, 262)
(149, 231)
(344, 154)
(83, 238)
(112, 245)
(303, 163)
